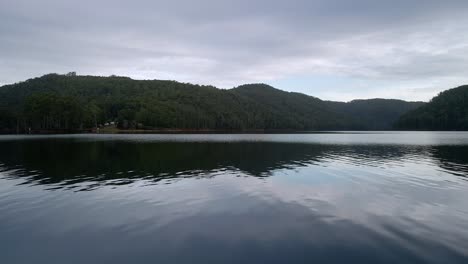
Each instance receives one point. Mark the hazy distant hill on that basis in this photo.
(447, 111)
(69, 102)
(375, 114)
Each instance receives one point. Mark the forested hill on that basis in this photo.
(71, 103)
(375, 114)
(447, 111)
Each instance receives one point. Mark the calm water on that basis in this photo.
(334, 198)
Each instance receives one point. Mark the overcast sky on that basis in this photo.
(339, 50)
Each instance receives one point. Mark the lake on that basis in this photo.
(368, 197)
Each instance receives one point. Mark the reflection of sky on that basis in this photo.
(333, 138)
(399, 202)
(367, 196)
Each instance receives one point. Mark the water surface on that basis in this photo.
(373, 197)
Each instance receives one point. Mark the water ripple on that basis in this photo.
(231, 200)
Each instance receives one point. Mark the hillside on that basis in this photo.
(71, 103)
(375, 114)
(447, 111)
(294, 108)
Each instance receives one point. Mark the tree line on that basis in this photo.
(75, 103)
(447, 111)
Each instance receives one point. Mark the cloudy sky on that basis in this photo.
(332, 49)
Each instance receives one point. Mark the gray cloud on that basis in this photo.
(404, 48)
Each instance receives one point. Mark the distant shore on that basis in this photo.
(115, 130)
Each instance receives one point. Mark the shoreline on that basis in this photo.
(165, 131)
(107, 131)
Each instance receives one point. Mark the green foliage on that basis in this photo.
(71, 102)
(45, 111)
(447, 111)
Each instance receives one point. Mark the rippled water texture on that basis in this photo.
(397, 197)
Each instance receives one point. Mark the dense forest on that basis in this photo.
(71, 103)
(447, 111)
(375, 114)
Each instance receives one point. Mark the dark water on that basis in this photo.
(324, 198)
